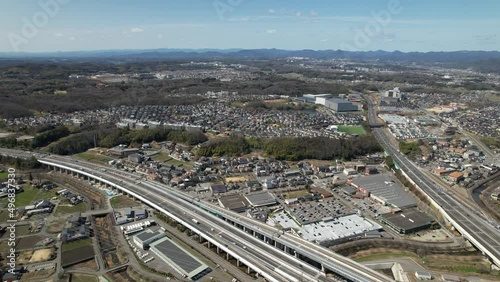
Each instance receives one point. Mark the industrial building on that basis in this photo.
(138, 213)
(319, 99)
(234, 202)
(408, 221)
(179, 259)
(384, 189)
(148, 236)
(339, 105)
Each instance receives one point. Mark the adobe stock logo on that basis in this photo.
(225, 6)
(31, 26)
(374, 27)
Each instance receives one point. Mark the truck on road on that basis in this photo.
(195, 221)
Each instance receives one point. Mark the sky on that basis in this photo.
(356, 25)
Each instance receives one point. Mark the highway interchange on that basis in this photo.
(474, 228)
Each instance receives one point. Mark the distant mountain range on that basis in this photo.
(458, 57)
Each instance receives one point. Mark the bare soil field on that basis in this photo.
(56, 224)
(36, 256)
(236, 179)
(42, 255)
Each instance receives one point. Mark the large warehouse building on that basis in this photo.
(407, 222)
(384, 189)
(179, 259)
(148, 236)
(339, 105)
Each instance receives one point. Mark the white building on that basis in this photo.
(394, 93)
(422, 275)
(349, 171)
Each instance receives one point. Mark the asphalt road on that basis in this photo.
(485, 235)
(271, 258)
(234, 239)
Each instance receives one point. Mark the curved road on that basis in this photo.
(478, 231)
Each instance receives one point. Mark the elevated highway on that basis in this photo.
(481, 233)
(273, 254)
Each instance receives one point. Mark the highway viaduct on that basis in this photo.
(275, 255)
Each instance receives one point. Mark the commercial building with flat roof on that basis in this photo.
(339, 229)
(407, 222)
(148, 236)
(179, 259)
(234, 202)
(339, 105)
(385, 189)
(260, 199)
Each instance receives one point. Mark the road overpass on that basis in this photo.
(482, 234)
(273, 254)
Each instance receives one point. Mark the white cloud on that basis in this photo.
(239, 19)
(324, 40)
(159, 36)
(271, 11)
(314, 13)
(136, 29)
(58, 34)
(71, 38)
(271, 31)
(298, 14)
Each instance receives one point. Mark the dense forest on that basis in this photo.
(109, 136)
(294, 149)
(20, 163)
(410, 148)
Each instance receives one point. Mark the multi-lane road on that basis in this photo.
(476, 229)
(271, 262)
(261, 256)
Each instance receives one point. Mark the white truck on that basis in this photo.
(195, 221)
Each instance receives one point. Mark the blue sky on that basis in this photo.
(406, 25)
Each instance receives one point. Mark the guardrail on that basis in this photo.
(351, 274)
(455, 224)
(162, 210)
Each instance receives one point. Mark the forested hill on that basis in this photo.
(454, 57)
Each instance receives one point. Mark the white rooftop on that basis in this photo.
(285, 221)
(339, 228)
